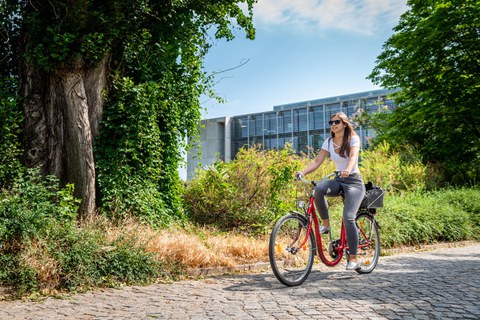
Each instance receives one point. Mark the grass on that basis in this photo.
(193, 247)
(410, 219)
(101, 252)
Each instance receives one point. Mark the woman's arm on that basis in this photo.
(321, 156)
(352, 161)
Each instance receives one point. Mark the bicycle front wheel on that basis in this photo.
(291, 250)
(368, 243)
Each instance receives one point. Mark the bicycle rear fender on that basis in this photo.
(370, 214)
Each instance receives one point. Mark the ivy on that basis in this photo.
(10, 122)
(155, 52)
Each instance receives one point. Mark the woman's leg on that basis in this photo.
(354, 193)
(327, 188)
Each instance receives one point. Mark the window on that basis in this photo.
(315, 118)
(240, 127)
(331, 110)
(285, 122)
(300, 120)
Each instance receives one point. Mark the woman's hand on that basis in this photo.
(344, 173)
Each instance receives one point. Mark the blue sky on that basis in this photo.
(304, 50)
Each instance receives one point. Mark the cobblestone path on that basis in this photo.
(441, 284)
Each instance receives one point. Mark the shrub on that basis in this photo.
(248, 193)
(257, 187)
(33, 205)
(137, 154)
(387, 168)
(10, 120)
(44, 248)
(426, 217)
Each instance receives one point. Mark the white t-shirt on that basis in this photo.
(341, 163)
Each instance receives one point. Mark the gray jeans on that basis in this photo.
(354, 191)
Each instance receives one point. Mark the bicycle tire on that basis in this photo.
(290, 263)
(368, 243)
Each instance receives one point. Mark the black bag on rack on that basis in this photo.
(373, 196)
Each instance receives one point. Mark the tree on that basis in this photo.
(68, 56)
(434, 57)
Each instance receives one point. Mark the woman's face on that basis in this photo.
(337, 125)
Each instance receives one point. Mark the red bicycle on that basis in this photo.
(296, 238)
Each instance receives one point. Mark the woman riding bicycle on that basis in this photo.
(343, 146)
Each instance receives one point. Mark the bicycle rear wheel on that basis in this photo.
(291, 250)
(368, 243)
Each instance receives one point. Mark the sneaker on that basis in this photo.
(352, 266)
(324, 230)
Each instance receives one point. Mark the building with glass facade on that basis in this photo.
(303, 125)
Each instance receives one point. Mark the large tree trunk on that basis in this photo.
(62, 114)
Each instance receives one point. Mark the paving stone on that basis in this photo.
(440, 284)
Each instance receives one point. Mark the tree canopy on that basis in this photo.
(109, 91)
(434, 57)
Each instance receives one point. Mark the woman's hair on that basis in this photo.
(347, 136)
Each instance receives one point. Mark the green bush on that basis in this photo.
(33, 205)
(251, 192)
(136, 158)
(427, 217)
(257, 187)
(387, 168)
(42, 246)
(248, 193)
(88, 259)
(10, 120)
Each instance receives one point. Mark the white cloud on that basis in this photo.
(350, 15)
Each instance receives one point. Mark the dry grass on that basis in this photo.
(193, 247)
(37, 258)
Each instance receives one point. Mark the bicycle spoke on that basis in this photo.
(291, 250)
(368, 243)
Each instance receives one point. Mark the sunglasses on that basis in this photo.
(334, 122)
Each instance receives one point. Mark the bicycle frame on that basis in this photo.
(312, 219)
(341, 246)
(292, 247)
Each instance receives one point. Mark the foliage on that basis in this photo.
(10, 121)
(248, 193)
(130, 150)
(43, 248)
(150, 47)
(434, 57)
(427, 217)
(392, 171)
(33, 206)
(257, 187)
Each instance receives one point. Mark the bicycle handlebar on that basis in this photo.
(299, 177)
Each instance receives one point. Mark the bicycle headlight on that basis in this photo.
(301, 204)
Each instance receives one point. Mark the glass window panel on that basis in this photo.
(238, 144)
(349, 107)
(240, 127)
(317, 141)
(270, 124)
(280, 128)
(331, 110)
(285, 122)
(259, 126)
(315, 117)
(300, 120)
(252, 126)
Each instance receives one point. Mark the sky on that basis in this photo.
(303, 50)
